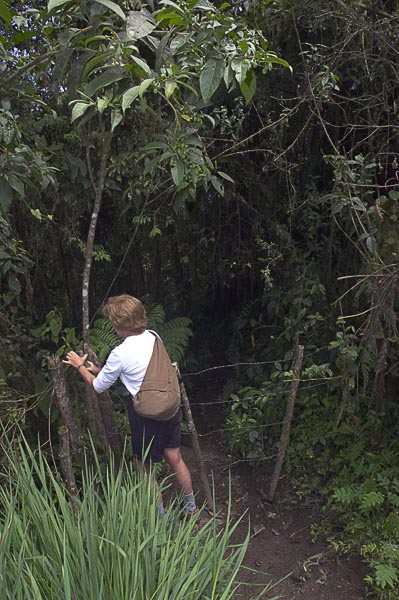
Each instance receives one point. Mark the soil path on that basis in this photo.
(281, 549)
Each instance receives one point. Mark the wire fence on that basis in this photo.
(273, 389)
(268, 391)
(276, 390)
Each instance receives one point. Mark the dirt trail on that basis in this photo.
(281, 547)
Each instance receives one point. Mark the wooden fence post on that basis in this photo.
(206, 488)
(72, 425)
(289, 411)
(65, 460)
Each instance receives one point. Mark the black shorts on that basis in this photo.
(150, 437)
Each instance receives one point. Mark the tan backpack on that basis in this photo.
(159, 394)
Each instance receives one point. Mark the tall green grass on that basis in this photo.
(109, 543)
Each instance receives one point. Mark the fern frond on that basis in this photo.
(155, 315)
(175, 334)
(103, 338)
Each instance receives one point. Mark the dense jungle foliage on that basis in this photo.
(235, 166)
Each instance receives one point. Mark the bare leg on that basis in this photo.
(175, 460)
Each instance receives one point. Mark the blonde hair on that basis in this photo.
(125, 312)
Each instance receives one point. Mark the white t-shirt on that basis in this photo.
(128, 361)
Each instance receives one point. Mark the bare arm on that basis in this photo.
(78, 362)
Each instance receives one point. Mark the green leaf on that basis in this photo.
(271, 58)
(5, 195)
(371, 244)
(228, 76)
(35, 212)
(166, 16)
(130, 96)
(150, 164)
(142, 64)
(116, 118)
(170, 87)
(177, 172)
(211, 77)
(55, 322)
(144, 85)
(92, 63)
(5, 14)
(140, 23)
(248, 86)
(78, 110)
(175, 6)
(211, 119)
(102, 104)
(56, 4)
(114, 7)
(16, 184)
(107, 78)
(23, 36)
(218, 185)
(204, 5)
(155, 231)
(225, 176)
(240, 67)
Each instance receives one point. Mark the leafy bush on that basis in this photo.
(255, 414)
(107, 542)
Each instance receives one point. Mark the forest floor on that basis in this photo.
(281, 550)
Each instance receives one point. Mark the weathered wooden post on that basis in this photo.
(289, 411)
(73, 428)
(65, 460)
(206, 488)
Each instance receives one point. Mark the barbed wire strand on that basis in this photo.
(255, 397)
(240, 364)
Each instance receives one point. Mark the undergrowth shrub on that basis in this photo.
(355, 472)
(107, 542)
(364, 503)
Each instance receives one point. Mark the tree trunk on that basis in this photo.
(98, 188)
(96, 424)
(111, 432)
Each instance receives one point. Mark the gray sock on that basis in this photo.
(189, 502)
